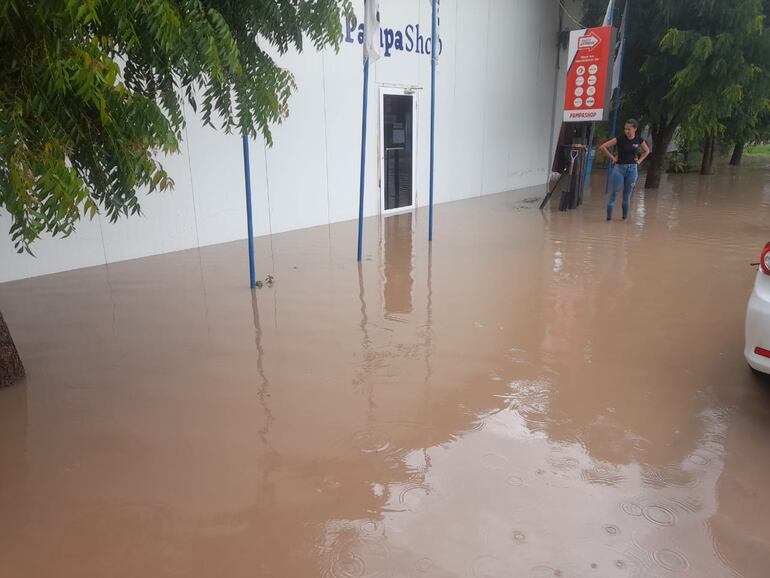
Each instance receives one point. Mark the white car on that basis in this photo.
(757, 350)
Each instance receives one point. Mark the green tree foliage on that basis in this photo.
(750, 120)
(689, 64)
(92, 93)
(724, 74)
(718, 45)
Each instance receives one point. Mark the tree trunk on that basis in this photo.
(707, 165)
(737, 153)
(11, 369)
(655, 168)
(661, 139)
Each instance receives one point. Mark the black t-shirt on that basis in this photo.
(629, 149)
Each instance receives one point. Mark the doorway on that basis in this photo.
(397, 114)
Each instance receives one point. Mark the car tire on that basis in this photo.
(758, 374)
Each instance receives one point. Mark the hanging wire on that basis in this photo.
(571, 17)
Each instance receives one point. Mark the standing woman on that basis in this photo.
(632, 150)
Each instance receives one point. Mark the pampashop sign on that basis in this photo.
(409, 39)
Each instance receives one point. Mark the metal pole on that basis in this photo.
(613, 129)
(434, 51)
(590, 152)
(592, 129)
(249, 217)
(616, 110)
(363, 159)
(549, 166)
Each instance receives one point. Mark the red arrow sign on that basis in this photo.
(589, 42)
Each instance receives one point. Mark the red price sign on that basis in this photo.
(587, 95)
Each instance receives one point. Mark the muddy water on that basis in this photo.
(538, 395)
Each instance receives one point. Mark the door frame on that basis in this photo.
(398, 91)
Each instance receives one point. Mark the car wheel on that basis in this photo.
(758, 374)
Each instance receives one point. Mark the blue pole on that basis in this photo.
(249, 217)
(363, 159)
(591, 148)
(590, 158)
(613, 129)
(434, 50)
(616, 110)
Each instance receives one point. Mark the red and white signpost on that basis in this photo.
(587, 96)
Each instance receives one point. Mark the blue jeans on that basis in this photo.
(623, 176)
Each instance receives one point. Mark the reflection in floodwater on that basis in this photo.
(397, 266)
(532, 395)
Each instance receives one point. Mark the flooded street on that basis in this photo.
(537, 395)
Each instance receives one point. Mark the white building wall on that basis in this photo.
(494, 94)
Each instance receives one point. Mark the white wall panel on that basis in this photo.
(167, 222)
(467, 118)
(216, 161)
(342, 105)
(82, 249)
(296, 164)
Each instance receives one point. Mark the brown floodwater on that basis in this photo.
(538, 395)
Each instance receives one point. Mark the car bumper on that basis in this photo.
(758, 326)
